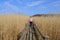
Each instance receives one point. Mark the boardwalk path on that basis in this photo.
(31, 33)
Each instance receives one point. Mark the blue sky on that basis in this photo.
(30, 7)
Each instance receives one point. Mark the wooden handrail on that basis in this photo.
(30, 31)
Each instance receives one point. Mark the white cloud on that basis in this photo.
(35, 3)
(11, 7)
(56, 3)
(1, 6)
(53, 4)
(19, 1)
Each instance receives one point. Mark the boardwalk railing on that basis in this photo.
(31, 33)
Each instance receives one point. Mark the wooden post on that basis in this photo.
(26, 37)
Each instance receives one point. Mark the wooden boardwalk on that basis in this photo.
(31, 33)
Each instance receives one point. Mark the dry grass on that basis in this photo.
(49, 26)
(11, 25)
